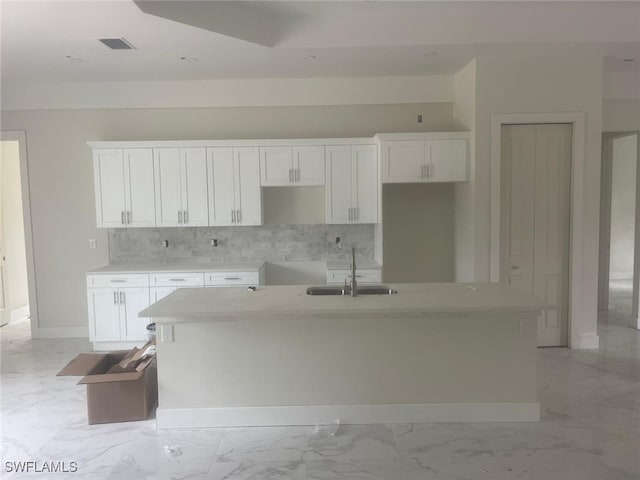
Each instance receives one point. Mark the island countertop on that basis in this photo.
(240, 303)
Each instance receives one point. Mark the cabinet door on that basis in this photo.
(338, 207)
(194, 189)
(168, 187)
(104, 318)
(248, 194)
(365, 184)
(276, 166)
(447, 160)
(132, 301)
(308, 165)
(221, 179)
(108, 169)
(403, 161)
(140, 208)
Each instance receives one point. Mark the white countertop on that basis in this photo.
(240, 303)
(178, 267)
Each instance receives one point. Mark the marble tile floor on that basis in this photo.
(590, 428)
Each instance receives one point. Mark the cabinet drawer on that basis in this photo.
(221, 279)
(195, 279)
(362, 276)
(118, 280)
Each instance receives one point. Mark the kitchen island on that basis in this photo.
(277, 356)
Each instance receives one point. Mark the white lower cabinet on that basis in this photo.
(113, 313)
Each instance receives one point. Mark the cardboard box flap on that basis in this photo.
(85, 364)
(111, 377)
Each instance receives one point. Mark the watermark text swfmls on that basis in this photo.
(47, 466)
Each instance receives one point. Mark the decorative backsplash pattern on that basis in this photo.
(269, 243)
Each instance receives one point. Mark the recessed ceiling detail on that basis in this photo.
(117, 43)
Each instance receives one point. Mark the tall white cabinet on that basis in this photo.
(351, 194)
(124, 187)
(181, 187)
(234, 186)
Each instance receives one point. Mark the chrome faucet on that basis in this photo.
(353, 290)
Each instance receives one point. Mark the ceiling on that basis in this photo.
(57, 41)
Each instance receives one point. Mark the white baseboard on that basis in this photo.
(61, 332)
(586, 341)
(19, 313)
(347, 414)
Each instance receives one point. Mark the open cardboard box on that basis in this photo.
(121, 386)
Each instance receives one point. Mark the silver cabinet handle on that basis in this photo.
(177, 279)
(115, 297)
(291, 175)
(233, 216)
(123, 298)
(122, 217)
(297, 174)
(356, 213)
(118, 281)
(179, 217)
(128, 217)
(185, 217)
(239, 216)
(232, 278)
(350, 214)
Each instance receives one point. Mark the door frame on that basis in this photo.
(21, 137)
(578, 122)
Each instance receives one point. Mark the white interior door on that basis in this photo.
(536, 186)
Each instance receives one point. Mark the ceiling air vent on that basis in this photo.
(117, 43)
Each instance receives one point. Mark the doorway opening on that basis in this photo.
(17, 276)
(619, 262)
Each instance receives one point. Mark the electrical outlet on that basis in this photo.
(166, 333)
(93, 243)
(165, 243)
(214, 242)
(420, 118)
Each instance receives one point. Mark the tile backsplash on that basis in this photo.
(269, 243)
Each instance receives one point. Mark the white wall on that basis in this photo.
(621, 115)
(61, 178)
(544, 85)
(623, 206)
(12, 225)
(273, 92)
(464, 118)
(418, 232)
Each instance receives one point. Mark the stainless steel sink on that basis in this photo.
(362, 290)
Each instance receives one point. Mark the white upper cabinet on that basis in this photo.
(124, 187)
(430, 160)
(285, 166)
(351, 194)
(181, 187)
(234, 186)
